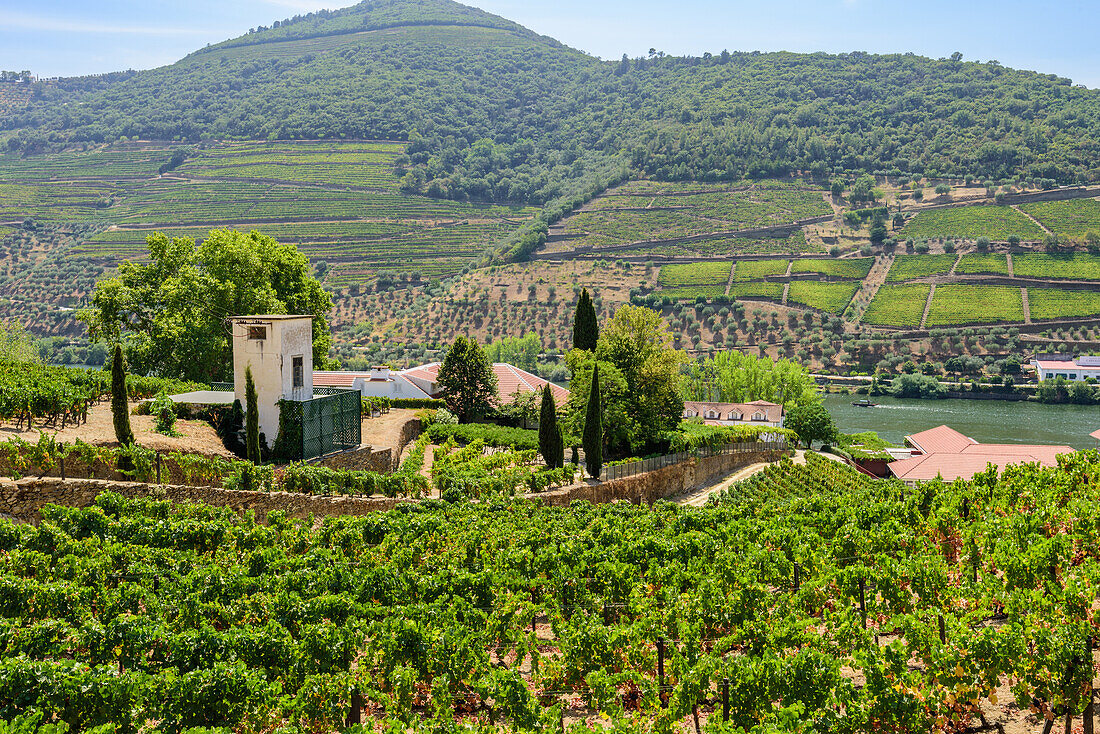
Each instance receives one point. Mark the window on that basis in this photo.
(734, 416)
(298, 371)
(258, 333)
(712, 414)
(759, 417)
(1073, 375)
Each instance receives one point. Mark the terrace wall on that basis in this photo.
(23, 500)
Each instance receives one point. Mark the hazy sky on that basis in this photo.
(73, 37)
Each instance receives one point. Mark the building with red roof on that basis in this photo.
(758, 412)
(379, 382)
(1073, 370)
(944, 453)
(511, 380)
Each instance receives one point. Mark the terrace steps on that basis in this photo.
(927, 306)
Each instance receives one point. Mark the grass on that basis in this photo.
(1073, 217)
(971, 222)
(976, 264)
(747, 270)
(828, 297)
(1055, 303)
(856, 268)
(897, 305)
(975, 304)
(1076, 266)
(689, 274)
(908, 267)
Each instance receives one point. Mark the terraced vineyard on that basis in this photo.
(648, 210)
(971, 222)
(959, 303)
(828, 297)
(757, 289)
(856, 269)
(756, 269)
(897, 305)
(982, 264)
(1063, 267)
(1055, 303)
(1073, 217)
(694, 279)
(908, 267)
(794, 244)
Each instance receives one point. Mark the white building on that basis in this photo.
(758, 412)
(279, 349)
(379, 382)
(1074, 370)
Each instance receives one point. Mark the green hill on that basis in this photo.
(495, 111)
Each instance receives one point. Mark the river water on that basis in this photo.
(986, 421)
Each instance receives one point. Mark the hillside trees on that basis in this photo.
(586, 329)
(593, 427)
(171, 312)
(551, 443)
(737, 377)
(640, 381)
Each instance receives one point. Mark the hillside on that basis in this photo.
(494, 111)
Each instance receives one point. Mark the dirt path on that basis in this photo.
(927, 306)
(955, 265)
(1027, 305)
(729, 281)
(198, 437)
(1011, 268)
(385, 431)
(786, 292)
(1037, 222)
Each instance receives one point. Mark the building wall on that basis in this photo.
(271, 360)
(1079, 374)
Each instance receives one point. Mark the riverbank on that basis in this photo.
(988, 421)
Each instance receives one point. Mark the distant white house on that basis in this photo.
(1074, 370)
(510, 380)
(759, 412)
(379, 382)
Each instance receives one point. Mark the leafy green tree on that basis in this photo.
(120, 404)
(551, 444)
(592, 439)
(171, 312)
(586, 329)
(521, 351)
(16, 344)
(737, 377)
(467, 379)
(251, 418)
(810, 422)
(917, 386)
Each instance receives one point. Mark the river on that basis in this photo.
(986, 421)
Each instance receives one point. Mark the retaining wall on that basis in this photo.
(24, 499)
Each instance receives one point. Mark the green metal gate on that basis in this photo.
(324, 425)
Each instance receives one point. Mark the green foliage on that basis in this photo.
(1060, 390)
(519, 439)
(592, 436)
(120, 406)
(417, 403)
(586, 329)
(690, 436)
(918, 386)
(694, 274)
(521, 351)
(897, 305)
(866, 445)
(810, 422)
(467, 380)
(756, 269)
(1073, 217)
(164, 411)
(172, 310)
(251, 418)
(827, 297)
(971, 222)
(551, 443)
(992, 264)
(737, 377)
(16, 344)
(853, 268)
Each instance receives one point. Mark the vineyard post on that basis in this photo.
(1089, 715)
(158, 467)
(862, 602)
(726, 699)
(661, 670)
(943, 631)
(355, 715)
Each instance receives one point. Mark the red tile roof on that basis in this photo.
(940, 440)
(1095, 434)
(338, 379)
(509, 379)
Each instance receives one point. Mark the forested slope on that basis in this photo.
(495, 111)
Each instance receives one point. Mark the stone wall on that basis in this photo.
(363, 459)
(23, 499)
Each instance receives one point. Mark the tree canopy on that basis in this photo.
(171, 313)
(467, 379)
(736, 377)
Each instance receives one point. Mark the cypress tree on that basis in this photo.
(120, 406)
(586, 331)
(251, 418)
(592, 439)
(551, 443)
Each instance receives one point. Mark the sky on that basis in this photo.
(77, 37)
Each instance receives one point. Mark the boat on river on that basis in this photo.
(864, 404)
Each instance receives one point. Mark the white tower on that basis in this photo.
(279, 349)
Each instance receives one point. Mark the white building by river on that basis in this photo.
(1074, 370)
